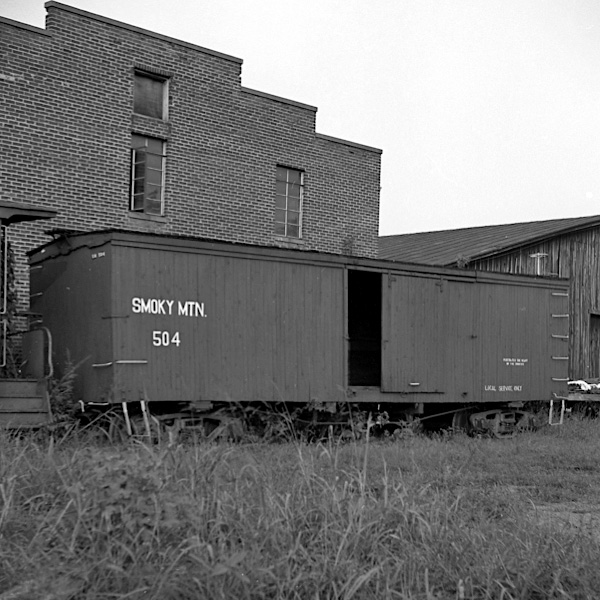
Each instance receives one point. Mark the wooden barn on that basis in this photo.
(568, 248)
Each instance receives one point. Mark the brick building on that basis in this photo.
(114, 126)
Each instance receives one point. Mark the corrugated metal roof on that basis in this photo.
(445, 248)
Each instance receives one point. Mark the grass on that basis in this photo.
(422, 518)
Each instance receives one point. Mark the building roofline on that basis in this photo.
(160, 36)
(347, 143)
(313, 109)
(591, 221)
(536, 239)
(510, 245)
(278, 99)
(25, 26)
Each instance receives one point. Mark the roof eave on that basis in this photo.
(492, 253)
(17, 212)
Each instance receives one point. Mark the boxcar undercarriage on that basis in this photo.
(156, 421)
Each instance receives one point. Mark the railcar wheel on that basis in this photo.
(347, 435)
(406, 430)
(501, 431)
(502, 423)
(461, 422)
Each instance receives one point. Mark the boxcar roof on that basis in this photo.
(67, 241)
(449, 247)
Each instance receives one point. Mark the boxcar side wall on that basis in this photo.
(191, 326)
(576, 256)
(166, 319)
(452, 340)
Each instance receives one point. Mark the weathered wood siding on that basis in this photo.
(575, 256)
(167, 319)
(72, 296)
(23, 403)
(172, 322)
(255, 329)
(414, 326)
(455, 340)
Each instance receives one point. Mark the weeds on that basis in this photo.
(449, 517)
(60, 392)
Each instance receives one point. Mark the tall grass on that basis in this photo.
(451, 517)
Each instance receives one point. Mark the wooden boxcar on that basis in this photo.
(169, 319)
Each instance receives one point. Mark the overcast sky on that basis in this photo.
(487, 111)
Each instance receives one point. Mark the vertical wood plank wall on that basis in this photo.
(471, 341)
(72, 295)
(415, 320)
(270, 330)
(575, 256)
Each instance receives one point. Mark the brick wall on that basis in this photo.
(66, 101)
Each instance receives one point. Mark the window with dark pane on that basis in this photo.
(147, 175)
(149, 96)
(288, 202)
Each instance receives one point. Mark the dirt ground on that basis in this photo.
(581, 516)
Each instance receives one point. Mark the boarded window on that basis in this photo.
(149, 96)
(147, 175)
(288, 202)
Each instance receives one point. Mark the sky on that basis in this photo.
(487, 111)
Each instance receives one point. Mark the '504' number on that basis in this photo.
(164, 338)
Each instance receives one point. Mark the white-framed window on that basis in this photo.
(150, 95)
(288, 202)
(147, 175)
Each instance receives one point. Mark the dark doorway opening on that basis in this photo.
(364, 328)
